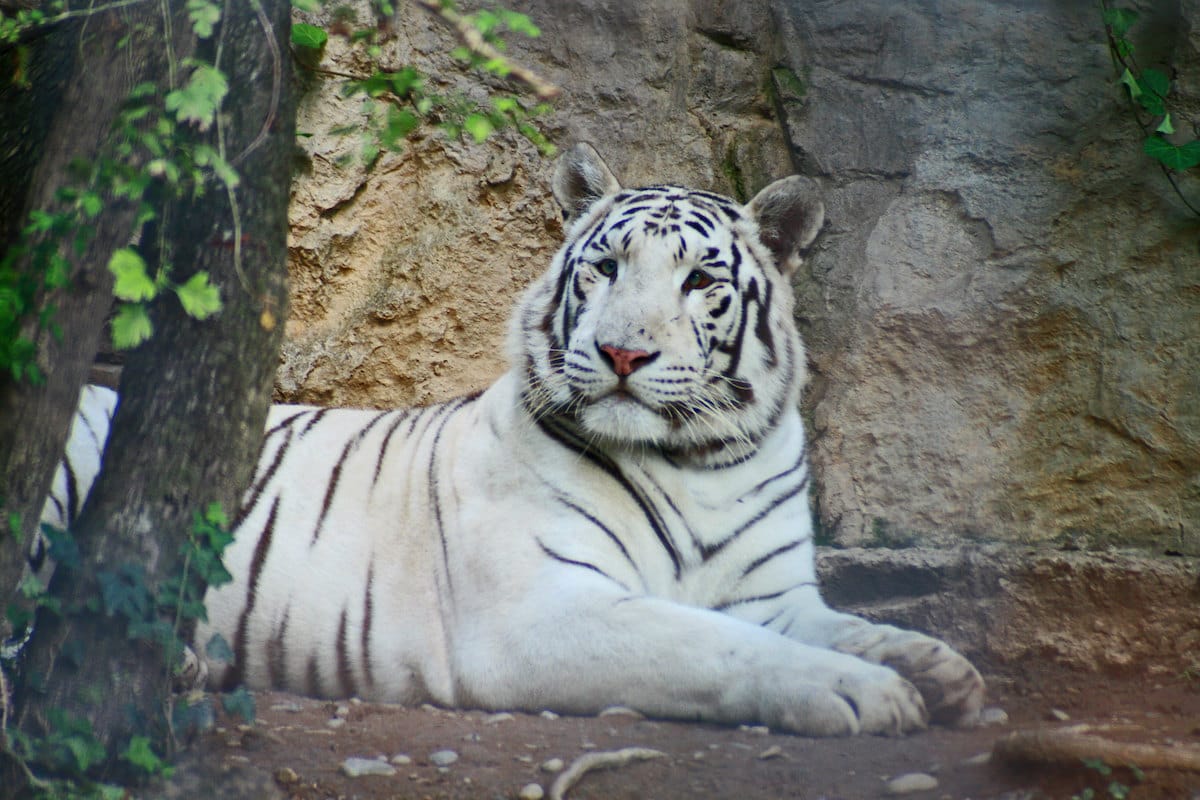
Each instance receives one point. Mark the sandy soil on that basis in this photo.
(297, 747)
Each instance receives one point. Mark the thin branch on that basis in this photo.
(276, 84)
(474, 40)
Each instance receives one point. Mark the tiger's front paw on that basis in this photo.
(952, 688)
(859, 698)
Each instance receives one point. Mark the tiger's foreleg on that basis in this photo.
(597, 646)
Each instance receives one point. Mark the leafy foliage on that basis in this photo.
(1149, 93)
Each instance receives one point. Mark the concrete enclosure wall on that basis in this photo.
(1002, 314)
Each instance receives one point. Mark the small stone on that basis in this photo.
(496, 719)
(698, 755)
(342, 711)
(755, 730)
(531, 791)
(552, 765)
(291, 708)
(622, 711)
(443, 758)
(911, 782)
(774, 751)
(356, 701)
(336, 722)
(1058, 715)
(472, 737)
(286, 776)
(400, 759)
(993, 717)
(977, 760)
(360, 767)
(548, 715)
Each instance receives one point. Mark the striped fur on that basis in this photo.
(621, 519)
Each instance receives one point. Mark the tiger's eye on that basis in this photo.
(606, 267)
(697, 279)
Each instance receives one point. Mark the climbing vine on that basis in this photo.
(1151, 103)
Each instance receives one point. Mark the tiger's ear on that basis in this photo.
(790, 214)
(581, 178)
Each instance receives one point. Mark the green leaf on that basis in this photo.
(1176, 157)
(1131, 84)
(200, 298)
(132, 283)
(207, 156)
(239, 702)
(140, 754)
(1165, 127)
(400, 123)
(131, 326)
(204, 14)
(479, 126)
(199, 99)
(1119, 20)
(1155, 86)
(91, 203)
(218, 649)
(309, 36)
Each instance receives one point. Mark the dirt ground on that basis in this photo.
(297, 747)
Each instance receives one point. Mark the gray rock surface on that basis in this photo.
(1002, 315)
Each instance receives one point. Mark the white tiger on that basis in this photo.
(622, 519)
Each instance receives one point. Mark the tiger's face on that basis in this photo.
(664, 321)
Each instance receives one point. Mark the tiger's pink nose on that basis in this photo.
(624, 362)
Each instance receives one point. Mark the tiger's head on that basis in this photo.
(665, 319)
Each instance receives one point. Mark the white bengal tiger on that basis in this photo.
(622, 519)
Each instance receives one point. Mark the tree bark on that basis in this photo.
(34, 420)
(193, 404)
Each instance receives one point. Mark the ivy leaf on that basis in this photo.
(1165, 127)
(204, 14)
(1131, 84)
(140, 754)
(1119, 20)
(199, 100)
(1155, 86)
(206, 156)
(133, 283)
(200, 298)
(1176, 157)
(218, 649)
(239, 702)
(131, 326)
(479, 126)
(309, 36)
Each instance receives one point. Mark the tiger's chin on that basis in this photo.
(622, 419)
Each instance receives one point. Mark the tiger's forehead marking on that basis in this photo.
(686, 221)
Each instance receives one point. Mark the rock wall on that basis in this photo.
(1002, 315)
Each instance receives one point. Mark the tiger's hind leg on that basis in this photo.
(953, 690)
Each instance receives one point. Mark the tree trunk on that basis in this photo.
(34, 420)
(193, 404)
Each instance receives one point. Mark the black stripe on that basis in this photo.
(607, 531)
(312, 678)
(368, 619)
(762, 327)
(73, 501)
(256, 490)
(336, 473)
(708, 551)
(434, 499)
(286, 423)
(345, 671)
(277, 652)
(387, 437)
(765, 557)
(240, 652)
(317, 416)
(726, 604)
(586, 565)
(607, 465)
